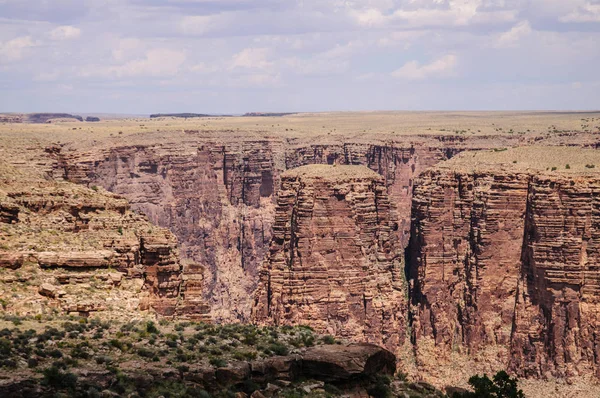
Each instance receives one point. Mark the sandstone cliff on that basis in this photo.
(218, 195)
(81, 250)
(334, 260)
(503, 263)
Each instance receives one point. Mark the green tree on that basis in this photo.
(501, 386)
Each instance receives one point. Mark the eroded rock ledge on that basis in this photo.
(83, 250)
(504, 262)
(334, 260)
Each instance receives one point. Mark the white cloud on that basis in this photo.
(125, 48)
(370, 17)
(586, 13)
(251, 58)
(513, 36)
(13, 50)
(316, 66)
(442, 67)
(65, 32)
(436, 13)
(203, 68)
(203, 24)
(157, 62)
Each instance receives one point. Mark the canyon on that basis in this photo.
(461, 252)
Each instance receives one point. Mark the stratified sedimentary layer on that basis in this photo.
(504, 261)
(334, 260)
(218, 195)
(82, 250)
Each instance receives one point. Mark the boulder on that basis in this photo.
(48, 290)
(345, 362)
(11, 260)
(234, 373)
(285, 368)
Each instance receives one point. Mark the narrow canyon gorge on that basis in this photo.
(460, 254)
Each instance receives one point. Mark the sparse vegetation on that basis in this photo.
(500, 386)
(65, 344)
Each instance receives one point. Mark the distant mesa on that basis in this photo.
(11, 118)
(92, 119)
(48, 117)
(268, 114)
(182, 115)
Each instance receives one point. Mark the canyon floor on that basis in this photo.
(458, 242)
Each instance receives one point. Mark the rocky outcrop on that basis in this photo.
(86, 250)
(503, 265)
(330, 363)
(334, 261)
(48, 117)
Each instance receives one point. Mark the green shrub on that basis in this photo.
(146, 353)
(58, 379)
(328, 339)
(55, 353)
(5, 347)
(279, 349)
(380, 387)
(117, 344)
(250, 338)
(218, 362)
(151, 327)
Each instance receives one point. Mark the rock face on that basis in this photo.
(334, 260)
(503, 263)
(332, 363)
(557, 313)
(86, 250)
(219, 198)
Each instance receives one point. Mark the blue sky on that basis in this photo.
(235, 56)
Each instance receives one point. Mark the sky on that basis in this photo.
(236, 56)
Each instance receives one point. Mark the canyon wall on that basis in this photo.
(219, 197)
(334, 260)
(82, 251)
(503, 270)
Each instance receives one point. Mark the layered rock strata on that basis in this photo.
(219, 198)
(334, 260)
(85, 251)
(503, 262)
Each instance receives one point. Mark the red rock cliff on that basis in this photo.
(503, 264)
(82, 250)
(219, 197)
(334, 259)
